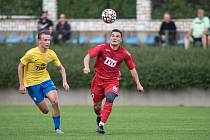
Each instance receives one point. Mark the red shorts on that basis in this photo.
(99, 88)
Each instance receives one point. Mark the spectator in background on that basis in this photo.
(63, 30)
(167, 33)
(44, 23)
(198, 30)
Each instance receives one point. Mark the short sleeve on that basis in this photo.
(26, 58)
(207, 23)
(56, 61)
(95, 51)
(129, 61)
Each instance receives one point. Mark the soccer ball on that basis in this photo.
(109, 16)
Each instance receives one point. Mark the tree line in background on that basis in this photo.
(94, 8)
(71, 8)
(20, 7)
(179, 8)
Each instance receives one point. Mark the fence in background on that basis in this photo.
(130, 38)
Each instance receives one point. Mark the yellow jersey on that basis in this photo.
(35, 66)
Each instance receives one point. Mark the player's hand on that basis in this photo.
(140, 89)
(86, 70)
(66, 86)
(22, 89)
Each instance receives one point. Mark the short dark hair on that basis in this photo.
(46, 32)
(117, 30)
(44, 11)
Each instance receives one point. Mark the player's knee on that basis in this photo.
(97, 107)
(45, 111)
(43, 107)
(54, 102)
(110, 97)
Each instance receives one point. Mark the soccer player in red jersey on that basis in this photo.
(107, 74)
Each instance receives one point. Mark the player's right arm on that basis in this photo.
(86, 61)
(91, 53)
(23, 62)
(22, 88)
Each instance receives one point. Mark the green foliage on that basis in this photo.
(158, 68)
(179, 8)
(172, 68)
(94, 8)
(20, 7)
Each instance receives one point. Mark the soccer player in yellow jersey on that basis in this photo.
(34, 77)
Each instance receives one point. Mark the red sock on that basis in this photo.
(106, 112)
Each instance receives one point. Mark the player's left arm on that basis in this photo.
(135, 76)
(131, 65)
(62, 71)
(63, 75)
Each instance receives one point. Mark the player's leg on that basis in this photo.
(43, 107)
(110, 97)
(97, 104)
(53, 98)
(36, 95)
(111, 92)
(50, 92)
(97, 93)
(97, 110)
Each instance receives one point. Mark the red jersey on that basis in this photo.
(108, 61)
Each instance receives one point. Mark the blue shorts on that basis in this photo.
(39, 92)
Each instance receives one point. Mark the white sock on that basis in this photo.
(101, 124)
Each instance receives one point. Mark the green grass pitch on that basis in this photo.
(125, 123)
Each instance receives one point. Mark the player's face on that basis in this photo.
(45, 41)
(115, 38)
